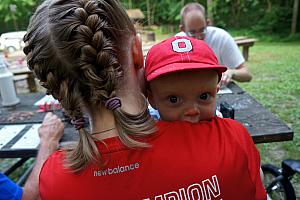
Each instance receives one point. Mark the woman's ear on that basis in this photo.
(137, 52)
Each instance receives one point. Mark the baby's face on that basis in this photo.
(185, 96)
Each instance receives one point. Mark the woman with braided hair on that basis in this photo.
(87, 54)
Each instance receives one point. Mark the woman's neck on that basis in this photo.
(103, 124)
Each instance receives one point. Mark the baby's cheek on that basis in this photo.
(170, 115)
(210, 113)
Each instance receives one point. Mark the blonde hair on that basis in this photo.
(189, 7)
(72, 47)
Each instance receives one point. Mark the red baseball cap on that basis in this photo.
(180, 53)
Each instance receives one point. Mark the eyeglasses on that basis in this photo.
(197, 34)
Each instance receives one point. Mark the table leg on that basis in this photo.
(246, 52)
(31, 83)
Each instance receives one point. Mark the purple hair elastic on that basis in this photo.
(78, 123)
(113, 103)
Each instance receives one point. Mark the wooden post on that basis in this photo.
(148, 13)
(31, 83)
(13, 9)
(130, 4)
(209, 13)
(295, 15)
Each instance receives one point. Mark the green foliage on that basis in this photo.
(277, 21)
(259, 16)
(162, 11)
(291, 38)
(19, 18)
(22, 7)
(231, 13)
(256, 15)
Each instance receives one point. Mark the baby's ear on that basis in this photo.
(138, 57)
(150, 98)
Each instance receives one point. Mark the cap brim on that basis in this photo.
(175, 67)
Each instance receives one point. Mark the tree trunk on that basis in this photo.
(269, 9)
(209, 13)
(15, 22)
(295, 15)
(148, 13)
(152, 14)
(130, 4)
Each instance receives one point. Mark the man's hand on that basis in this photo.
(227, 76)
(240, 74)
(51, 131)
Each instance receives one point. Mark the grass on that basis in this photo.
(276, 72)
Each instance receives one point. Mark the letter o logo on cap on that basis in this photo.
(187, 48)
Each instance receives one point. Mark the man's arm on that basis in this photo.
(240, 74)
(50, 133)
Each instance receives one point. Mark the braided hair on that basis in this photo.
(72, 47)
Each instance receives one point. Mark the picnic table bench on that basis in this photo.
(24, 74)
(245, 43)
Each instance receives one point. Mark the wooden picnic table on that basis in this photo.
(262, 125)
(245, 43)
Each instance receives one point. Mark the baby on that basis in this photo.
(183, 76)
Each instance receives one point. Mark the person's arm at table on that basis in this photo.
(240, 74)
(50, 133)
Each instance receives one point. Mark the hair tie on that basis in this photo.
(78, 123)
(113, 103)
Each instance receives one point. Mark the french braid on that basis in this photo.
(71, 46)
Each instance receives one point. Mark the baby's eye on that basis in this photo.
(173, 99)
(204, 96)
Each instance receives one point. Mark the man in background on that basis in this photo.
(194, 24)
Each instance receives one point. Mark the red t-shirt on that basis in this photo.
(209, 160)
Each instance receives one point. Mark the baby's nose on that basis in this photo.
(192, 111)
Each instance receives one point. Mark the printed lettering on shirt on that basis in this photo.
(117, 170)
(195, 191)
(206, 190)
(171, 195)
(211, 188)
